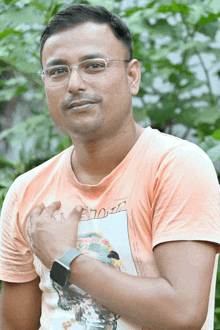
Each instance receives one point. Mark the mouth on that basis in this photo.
(80, 105)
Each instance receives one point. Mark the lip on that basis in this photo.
(81, 108)
(79, 104)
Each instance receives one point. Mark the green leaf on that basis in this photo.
(161, 53)
(195, 14)
(160, 28)
(174, 8)
(150, 12)
(108, 4)
(216, 134)
(209, 116)
(7, 94)
(9, 31)
(38, 5)
(214, 153)
(209, 143)
(11, 2)
(209, 18)
(5, 183)
(130, 11)
(21, 80)
(4, 52)
(210, 29)
(135, 22)
(65, 142)
(215, 5)
(5, 163)
(13, 18)
(21, 90)
(22, 127)
(194, 44)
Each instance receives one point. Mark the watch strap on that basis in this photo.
(69, 256)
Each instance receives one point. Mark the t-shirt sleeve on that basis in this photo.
(186, 197)
(16, 259)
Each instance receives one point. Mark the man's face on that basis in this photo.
(110, 97)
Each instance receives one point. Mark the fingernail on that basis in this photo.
(79, 208)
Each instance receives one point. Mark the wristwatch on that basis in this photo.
(60, 270)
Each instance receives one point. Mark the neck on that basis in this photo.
(93, 160)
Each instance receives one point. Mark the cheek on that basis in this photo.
(116, 89)
(119, 93)
(54, 105)
(52, 98)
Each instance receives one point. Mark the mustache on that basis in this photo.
(83, 97)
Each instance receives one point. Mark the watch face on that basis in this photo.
(59, 273)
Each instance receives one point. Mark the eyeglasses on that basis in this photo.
(90, 70)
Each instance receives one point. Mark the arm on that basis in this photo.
(20, 305)
(175, 298)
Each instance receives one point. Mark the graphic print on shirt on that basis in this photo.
(87, 311)
(107, 240)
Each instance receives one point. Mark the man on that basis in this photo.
(121, 230)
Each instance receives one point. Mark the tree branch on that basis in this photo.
(191, 35)
(212, 97)
(186, 133)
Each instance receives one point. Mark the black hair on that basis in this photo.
(82, 13)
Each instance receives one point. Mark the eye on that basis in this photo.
(93, 66)
(57, 71)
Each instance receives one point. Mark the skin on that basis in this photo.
(174, 295)
(20, 305)
(170, 296)
(97, 130)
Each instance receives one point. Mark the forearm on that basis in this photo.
(150, 302)
(175, 295)
(20, 306)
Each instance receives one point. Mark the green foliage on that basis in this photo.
(172, 39)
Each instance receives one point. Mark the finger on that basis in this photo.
(75, 214)
(38, 209)
(49, 210)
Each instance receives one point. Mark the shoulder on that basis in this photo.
(47, 168)
(41, 175)
(165, 148)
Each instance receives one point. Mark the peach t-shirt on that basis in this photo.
(165, 189)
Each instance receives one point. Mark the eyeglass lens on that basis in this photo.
(89, 70)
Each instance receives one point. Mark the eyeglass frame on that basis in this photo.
(106, 60)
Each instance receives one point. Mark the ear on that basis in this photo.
(134, 76)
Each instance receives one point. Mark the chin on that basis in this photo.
(86, 130)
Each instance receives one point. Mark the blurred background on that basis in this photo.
(178, 45)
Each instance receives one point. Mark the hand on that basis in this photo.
(50, 239)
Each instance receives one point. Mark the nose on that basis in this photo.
(76, 83)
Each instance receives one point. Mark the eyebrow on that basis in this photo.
(91, 56)
(55, 62)
(82, 58)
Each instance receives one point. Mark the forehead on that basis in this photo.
(84, 39)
